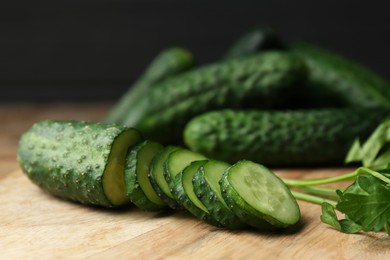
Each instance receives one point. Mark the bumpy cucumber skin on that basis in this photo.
(258, 39)
(186, 202)
(243, 210)
(168, 63)
(210, 199)
(133, 188)
(259, 80)
(171, 202)
(344, 82)
(281, 138)
(68, 158)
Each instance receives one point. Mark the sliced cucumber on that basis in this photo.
(138, 186)
(156, 176)
(206, 184)
(176, 162)
(184, 192)
(258, 197)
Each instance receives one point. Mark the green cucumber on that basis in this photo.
(168, 63)
(156, 176)
(258, 197)
(80, 161)
(259, 80)
(184, 192)
(281, 138)
(258, 39)
(339, 81)
(138, 186)
(206, 185)
(176, 162)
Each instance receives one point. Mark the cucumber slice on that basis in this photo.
(79, 161)
(156, 176)
(184, 192)
(176, 162)
(138, 186)
(113, 177)
(207, 187)
(258, 197)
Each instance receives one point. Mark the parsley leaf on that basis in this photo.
(355, 153)
(329, 216)
(345, 225)
(374, 152)
(367, 203)
(349, 227)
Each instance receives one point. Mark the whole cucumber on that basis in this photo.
(281, 138)
(259, 80)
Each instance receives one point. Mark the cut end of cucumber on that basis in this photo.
(113, 176)
(213, 171)
(186, 194)
(188, 175)
(264, 192)
(157, 170)
(143, 167)
(178, 160)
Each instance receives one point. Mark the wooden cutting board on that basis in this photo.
(36, 225)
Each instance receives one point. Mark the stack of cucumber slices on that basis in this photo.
(109, 165)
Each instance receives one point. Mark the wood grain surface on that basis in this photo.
(36, 225)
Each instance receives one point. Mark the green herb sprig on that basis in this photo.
(366, 202)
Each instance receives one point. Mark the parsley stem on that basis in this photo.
(311, 182)
(312, 199)
(378, 175)
(323, 191)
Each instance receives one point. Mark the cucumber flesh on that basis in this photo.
(184, 192)
(176, 162)
(206, 184)
(258, 196)
(187, 176)
(156, 176)
(138, 186)
(113, 176)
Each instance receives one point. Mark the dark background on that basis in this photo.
(94, 50)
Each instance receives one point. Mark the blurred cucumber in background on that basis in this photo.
(95, 50)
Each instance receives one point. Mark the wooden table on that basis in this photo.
(36, 225)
